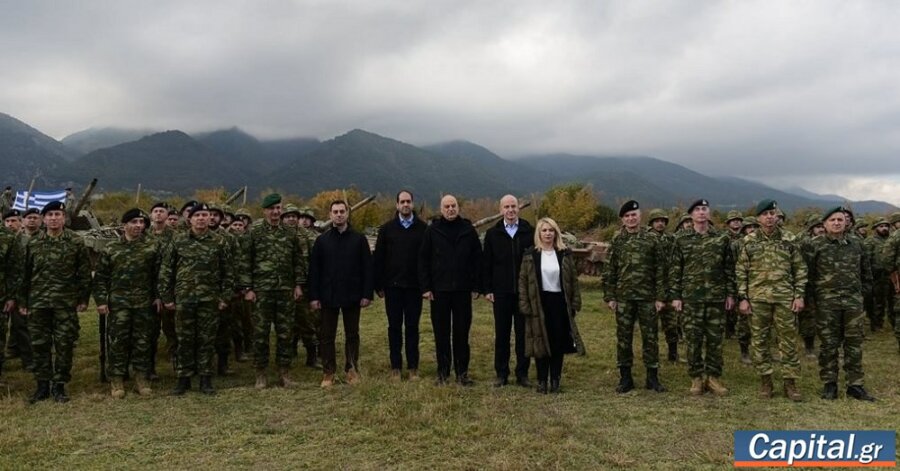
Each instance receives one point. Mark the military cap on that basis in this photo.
(188, 205)
(895, 218)
(684, 218)
(197, 208)
(53, 206)
(766, 205)
(243, 214)
(215, 208)
(812, 221)
(271, 200)
(700, 202)
(848, 211)
(657, 214)
(749, 221)
(31, 211)
(160, 204)
(836, 209)
(230, 214)
(732, 215)
(290, 209)
(12, 213)
(132, 214)
(307, 212)
(629, 205)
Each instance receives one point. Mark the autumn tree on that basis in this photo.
(573, 206)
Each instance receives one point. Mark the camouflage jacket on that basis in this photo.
(635, 268)
(875, 250)
(702, 267)
(770, 268)
(890, 253)
(196, 268)
(57, 272)
(273, 259)
(126, 273)
(163, 237)
(11, 259)
(839, 272)
(307, 239)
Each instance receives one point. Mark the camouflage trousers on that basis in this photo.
(668, 320)
(167, 326)
(840, 328)
(223, 332)
(4, 321)
(768, 320)
(19, 340)
(273, 309)
(53, 335)
(704, 330)
(196, 325)
(644, 314)
(306, 324)
(742, 330)
(130, 333)
(882, 301)
(807, 320)
(242, 324)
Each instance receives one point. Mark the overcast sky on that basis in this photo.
(798, 92)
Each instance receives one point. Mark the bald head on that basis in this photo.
(449, 207)
(509, 206)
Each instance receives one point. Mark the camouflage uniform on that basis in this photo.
(273, 266)
(307, 320)
(226, 321)
(125, 279)
(57, 278)
(807, 318)
(731, 316)
(702, 276)
(839, 273)
(891, 259)
(770, 274)
(667, 316)
(634, 277)
(196, 274)
(166, 317)
(881, 299)
(10, 263)
(241, 309)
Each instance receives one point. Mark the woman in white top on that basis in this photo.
(549, 298)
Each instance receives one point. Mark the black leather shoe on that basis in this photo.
(652, 382)
(41, 393)
(206, 386)
(626, 382)
(554, 386)
(464, 380)
(182, 386)
(830, 391)
(523, 381)
(859, 393)
(58, 391)
(441, 381)
(542, 387)
(500, 381)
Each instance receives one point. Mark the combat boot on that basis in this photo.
(859, 393)
(58, 391)
(206, 386)
(810, 345)
(554, 386)
(830, 391)
(116, 387)
(182, 386)
(327, 380)
(41, 393)
(222, 369)
(715, 386)
(791, 391)
(312, 357)
(626, 382)
(142, 385)
(261, 379)
(284, 378)
(542, 387)
(766, 389)
(652, 382)
(697, 386)
(745, 354)
(673, 352)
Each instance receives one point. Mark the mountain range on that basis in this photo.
(177, 162)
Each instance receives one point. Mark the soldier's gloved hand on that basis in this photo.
(103, 309)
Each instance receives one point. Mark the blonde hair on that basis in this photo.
(558, 243)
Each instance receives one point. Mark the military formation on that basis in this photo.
(216, 285)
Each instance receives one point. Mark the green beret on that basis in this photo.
(290, 209)
(657, 214)
(749, 221)
(766, 205)
(732, 215)
(271, 200)
(836, 209)
(895, 218)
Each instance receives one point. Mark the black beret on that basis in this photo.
(160, 204)
(198, 207)
(31, 211)
(836, 209)
(53, 206)
(188, 205)
(629, 205)
(12, 213)
(766, 205)
(132, 214)
(700, 202)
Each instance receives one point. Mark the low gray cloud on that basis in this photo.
(740, 88)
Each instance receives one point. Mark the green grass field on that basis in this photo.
(380, 424)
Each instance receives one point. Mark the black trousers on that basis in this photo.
(328, 333)
(506, 319)
(451, 319)
(404, 309)
(556, 319)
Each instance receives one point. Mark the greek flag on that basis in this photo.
(38, 199)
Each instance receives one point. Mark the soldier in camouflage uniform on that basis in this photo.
(895, 221)
(882, 296)
(807, 317)
(839, 274)
(684, 223)
(19, 345)
(226, 321)
(633, 286)
(273, 271)
(669, 319)
(742, 328)
(701, 284)
(160, 231)
(196, 280)
(125, 283)
(891, 258)
(56, 286)
(734, 221)
(242, 325)
(10, 263)
(771, 282)
(308, 320)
